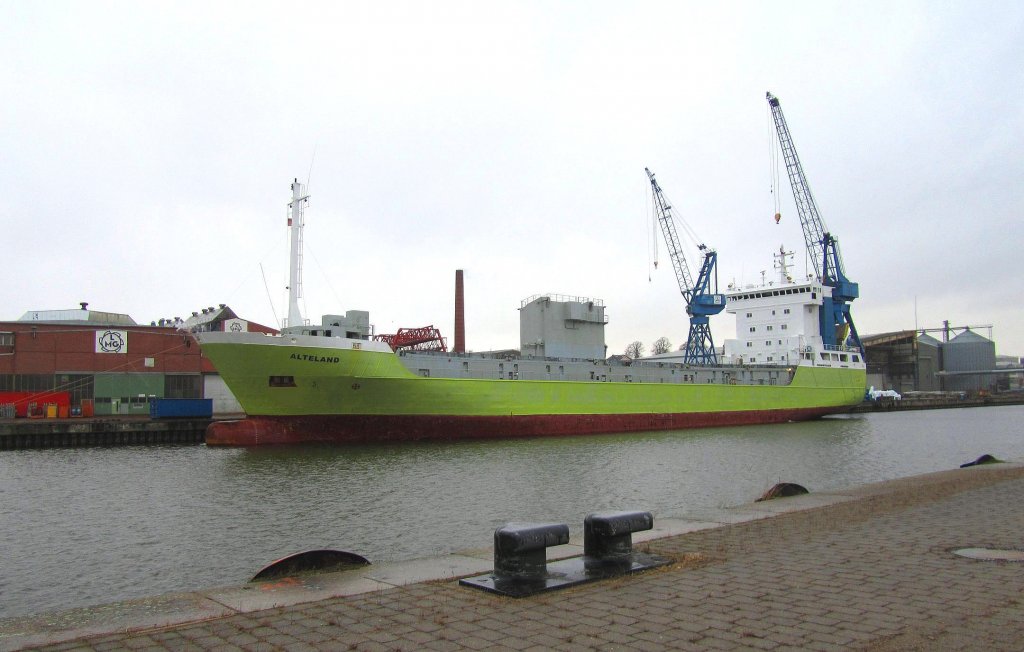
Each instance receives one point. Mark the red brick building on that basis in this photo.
(108, 359)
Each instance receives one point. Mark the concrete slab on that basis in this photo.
(289, 591)
(426, 570)
(670, 527)
(799, 503)
(727, 515)
(145, 613)
(969, 475)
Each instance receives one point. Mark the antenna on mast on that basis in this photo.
(296, 222)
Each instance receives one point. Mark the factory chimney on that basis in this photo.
(460, 315)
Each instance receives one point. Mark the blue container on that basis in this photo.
(181, 408)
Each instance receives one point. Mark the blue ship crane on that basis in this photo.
(835, 321)
(702, 297)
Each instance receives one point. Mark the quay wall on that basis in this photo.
(939, 403)
(69, 433)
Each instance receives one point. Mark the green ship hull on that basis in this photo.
(355, 391)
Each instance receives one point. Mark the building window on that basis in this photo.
(784, 327)
(183, 386)
(786, 311)
(749, 315)
(750, 344)
(769, 327)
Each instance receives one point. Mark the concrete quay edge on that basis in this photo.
(180, 609)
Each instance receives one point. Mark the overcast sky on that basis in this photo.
(147, 150)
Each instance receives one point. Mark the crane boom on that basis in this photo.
(668, 229)
(835, 318)
(702, 298)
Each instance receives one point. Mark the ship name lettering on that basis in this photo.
(314, 358)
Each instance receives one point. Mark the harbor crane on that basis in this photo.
(835, 320)
(702, 297)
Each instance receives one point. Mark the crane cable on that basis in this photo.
(652, 232)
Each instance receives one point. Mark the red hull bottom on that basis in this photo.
(352, 429)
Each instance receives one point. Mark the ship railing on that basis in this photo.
(561, 298)
(842, 348)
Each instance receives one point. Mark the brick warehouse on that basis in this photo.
(108, 363)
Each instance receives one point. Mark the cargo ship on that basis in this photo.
(334, 383)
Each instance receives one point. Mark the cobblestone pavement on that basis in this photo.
(875, 573)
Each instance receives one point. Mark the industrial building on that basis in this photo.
(557, 326)
(914, 361)
(107, 364)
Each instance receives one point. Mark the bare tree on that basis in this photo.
(634, 349)
(661, 345)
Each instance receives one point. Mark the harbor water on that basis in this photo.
(92, 525)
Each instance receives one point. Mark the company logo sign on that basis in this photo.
(111, 341)
(236, 326)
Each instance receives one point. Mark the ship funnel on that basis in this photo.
(460, 314)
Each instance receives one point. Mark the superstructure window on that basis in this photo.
(282, 381)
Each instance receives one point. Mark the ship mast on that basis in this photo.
(295, 223)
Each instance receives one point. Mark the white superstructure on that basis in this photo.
(779, 323)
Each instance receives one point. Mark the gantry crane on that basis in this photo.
(702, 298)
(822, 247)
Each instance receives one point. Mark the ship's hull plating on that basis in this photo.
(356, 395)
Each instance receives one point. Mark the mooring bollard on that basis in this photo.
(608, 536)
(520, 559)
(519, 549)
